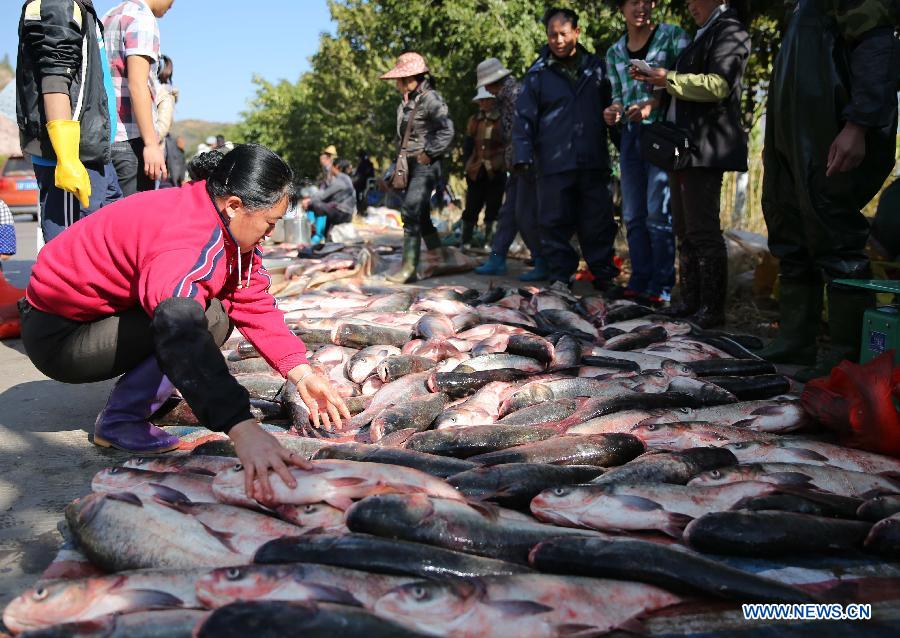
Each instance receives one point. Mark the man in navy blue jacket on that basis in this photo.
(560, 133)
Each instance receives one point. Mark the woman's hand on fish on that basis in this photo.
(326, 408)
(260, 452)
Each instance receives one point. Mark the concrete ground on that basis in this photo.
(46, 460)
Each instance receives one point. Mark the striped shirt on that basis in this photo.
(668, 41)
(131, 29)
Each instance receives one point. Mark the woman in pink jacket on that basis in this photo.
(150, 287)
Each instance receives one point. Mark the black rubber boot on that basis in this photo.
(488, 233)
(467, 231)
(412, 249)
(688, 285)
(800, 311)
(432, 241)
(846, 306)
(713, 276)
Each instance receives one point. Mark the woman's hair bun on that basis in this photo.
(203, 165)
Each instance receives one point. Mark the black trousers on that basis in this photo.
(331, 212)
(128, 158)
(577, 202)
(416, 209)
(696, 196)
(519, 214)
(484, 192)
(85, 352)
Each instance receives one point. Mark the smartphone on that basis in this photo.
(641, 66)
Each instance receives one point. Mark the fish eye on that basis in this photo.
(421, 593)
(40, 593)
(115, 470)
(715, 474)
(233, 573)
(141, 460)
(309, 509)
(740, 445)
(238, 468)
(560, 491)
(652, 427)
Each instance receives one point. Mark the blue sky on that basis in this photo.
(218, 45)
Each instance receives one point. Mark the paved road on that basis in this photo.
(46, 460)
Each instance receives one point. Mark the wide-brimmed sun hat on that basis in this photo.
(408, 65)
(330, 150)
(490, 71)
(483, 94)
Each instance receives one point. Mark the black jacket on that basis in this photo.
(432, 130)
(559, 124)
(52, 39)
(716, 128)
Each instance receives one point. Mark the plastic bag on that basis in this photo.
(9, 312)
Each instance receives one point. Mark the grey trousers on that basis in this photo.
(85, 352)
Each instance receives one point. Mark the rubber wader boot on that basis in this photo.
(488, 233)
(540, 272)
(688, 286)
(467, 231)
(412, 248)
(495, 265)
(124, 421)
(846, 307)
(800, 311)
(713, 271)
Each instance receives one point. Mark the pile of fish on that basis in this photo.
(520, 462)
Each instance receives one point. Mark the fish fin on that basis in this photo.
(634, 626)
(347, 481)
(222, 537)
(677, 523)
(743, 423)
(768, 410)
(809, 455)
(340, 502)
(202, 471)
(488, 510)
(637, 502)
(575, 630)
(125, 497)
(143, 599)
(176, 494)
(518, 607)
(891, 474)
(793, 479)
(329, 594)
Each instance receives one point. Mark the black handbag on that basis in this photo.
(666, 145)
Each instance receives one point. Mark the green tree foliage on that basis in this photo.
(341, 101)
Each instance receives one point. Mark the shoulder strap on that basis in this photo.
(409, 122)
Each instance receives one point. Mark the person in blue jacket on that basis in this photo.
(560, 133)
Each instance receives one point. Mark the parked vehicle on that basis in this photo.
(18, 186)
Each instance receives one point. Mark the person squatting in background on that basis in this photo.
(152, 297)
(132, 44)
(485, 169)
(830, 143)
(519, 212)
(645, 187)
(560, 133)
(66, 110)
(423, 111)
(703, 99)
(334, 204)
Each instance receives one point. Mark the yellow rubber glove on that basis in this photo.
(71, 175)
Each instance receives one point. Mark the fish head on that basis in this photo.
(747, 451)
(55, 603)
(722, 476)
(311, 515)
(672, 369)
(229, 584)
(118, 479)
(428, 603)
(658, 434)
(562, 497)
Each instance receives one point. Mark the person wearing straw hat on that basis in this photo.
(424, 133)
(519, 213)
(484, 166)
(326, 161)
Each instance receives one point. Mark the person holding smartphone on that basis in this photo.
(645, 187)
